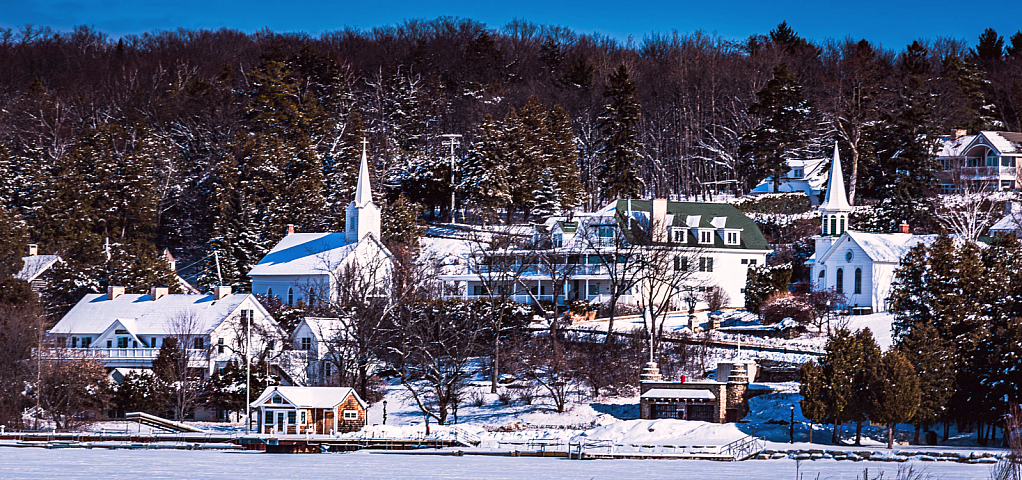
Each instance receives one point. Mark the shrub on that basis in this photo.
(505, 397)
(781, 306)
(476, 399)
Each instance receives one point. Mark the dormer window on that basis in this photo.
(679, 235)
(558, 240)
(277, 399)
(731, 238)
(706, 237)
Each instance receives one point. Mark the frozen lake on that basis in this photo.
(66, 464)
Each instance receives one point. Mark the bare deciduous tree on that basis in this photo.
(181, 362)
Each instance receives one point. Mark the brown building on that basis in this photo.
(708, 401)
(315, 410)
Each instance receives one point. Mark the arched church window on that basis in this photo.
(858, 281)
(839, 281)
(290, 296)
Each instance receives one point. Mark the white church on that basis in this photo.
(306, 266)
(859, 265)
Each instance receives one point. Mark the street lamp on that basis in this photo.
(791, 425)
(384, 412)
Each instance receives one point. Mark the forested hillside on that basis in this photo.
(214, 141)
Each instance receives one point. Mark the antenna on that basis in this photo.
(219, 279)
(452, 141)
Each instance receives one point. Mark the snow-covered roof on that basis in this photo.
(310, 397)
(1004, 142)
(36, 265)
(323, 327)
(888, 247)
(305, 254)
(954, 147)
(685, 394)
(143, 316)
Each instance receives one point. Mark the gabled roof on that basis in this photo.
(310, 397)
(1004, 142)
(1009, 222)
(305, 254)
(323, 328)
(881, 247)
(837, 199)
(94, 313)
(686, 394)
(36, 265)
(954, 147)
(679, 213)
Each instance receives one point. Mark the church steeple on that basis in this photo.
(835, 208)
(362, 217)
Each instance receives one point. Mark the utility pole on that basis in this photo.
(219, 278)
(248, 370)
(452, 141)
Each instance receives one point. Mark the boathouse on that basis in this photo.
(314, 410)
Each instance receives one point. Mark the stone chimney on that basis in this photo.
(156, 293)
(33, 249)
(650, 373)
(903, 228)
(737, 385)
(290, 229)
(658, 220)
(114, 292)
(221, 291)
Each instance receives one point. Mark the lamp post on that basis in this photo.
(384, 412)
(248, 372)
(791, 426)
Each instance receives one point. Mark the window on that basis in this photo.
(276, 399)
(86, 342)
(681, 264)
(350, 414)
(152, 343)
(833, 225)
(752, 261)
(306, 343)
(109, 344)
(198, 343)
(745, 261)
(842, 225)
(858, 281)
(706, 264)
(558, 240)
(731, 238)
(74, 342)
(303, 417)
(269, 344)
(679, 235)
(826, 218)
(705, 236)
(594, 289)
(290, 296)
(326, 369)
(291, 417)
(122, 342)
(220, 345)
(839, 280)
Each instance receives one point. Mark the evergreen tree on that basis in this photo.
(863, 368)
(895, 392)
(990, 46)
(547, 197)
(13, 243)
(562, 157)
(785, 131)
(1015, 49)
(763, 281)
(486, 172)
(620, 150)
(813, 388)
(932, 357)
(965, 94)
(141, 391)
(225, 389)
(400, 223)
(838, 372)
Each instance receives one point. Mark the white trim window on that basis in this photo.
(679, 235)
(349, 414)
(731, 237)
(706, 237)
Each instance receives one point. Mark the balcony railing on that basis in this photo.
(989, 171)
(532, 270)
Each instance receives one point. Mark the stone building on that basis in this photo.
(707, 400)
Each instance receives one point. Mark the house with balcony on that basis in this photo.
(126, 331)
(708, 244)
(988, 160)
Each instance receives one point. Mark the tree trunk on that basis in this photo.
(890, 435)
(947, 430)
(858, 432)
(915, 439)
(610, 322)
(494, 377)
(833, 434)
(810, 432)
(855, 174)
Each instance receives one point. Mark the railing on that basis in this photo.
(743, 448)
(989, 171)
(535, 269)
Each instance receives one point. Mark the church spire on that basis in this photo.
(363, 191)
(836, 199)
(835, 208)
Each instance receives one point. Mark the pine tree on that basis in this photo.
(863, 369)
(895, 392)
(620, 150)
(485, 176)
(838, 372)
(13, 242)
(1015, 49)
(547, 196)
(990, 46)
(400, 223)
(562, 156)
(785, 131)
(932, 357)
(813, 388)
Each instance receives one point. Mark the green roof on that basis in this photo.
(751, 237)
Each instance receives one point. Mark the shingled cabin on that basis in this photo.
(314, 410)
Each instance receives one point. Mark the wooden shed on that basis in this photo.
(316, 410)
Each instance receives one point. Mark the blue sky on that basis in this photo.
(892, 23)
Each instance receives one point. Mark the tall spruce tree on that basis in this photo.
(933, 359)
(785, 130)
(895, 392)
(620, 149)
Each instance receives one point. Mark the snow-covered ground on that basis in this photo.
(38, 463)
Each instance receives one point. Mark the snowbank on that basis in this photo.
(663, 432)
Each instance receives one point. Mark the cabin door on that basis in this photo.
(328, 421)
(280, 422)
